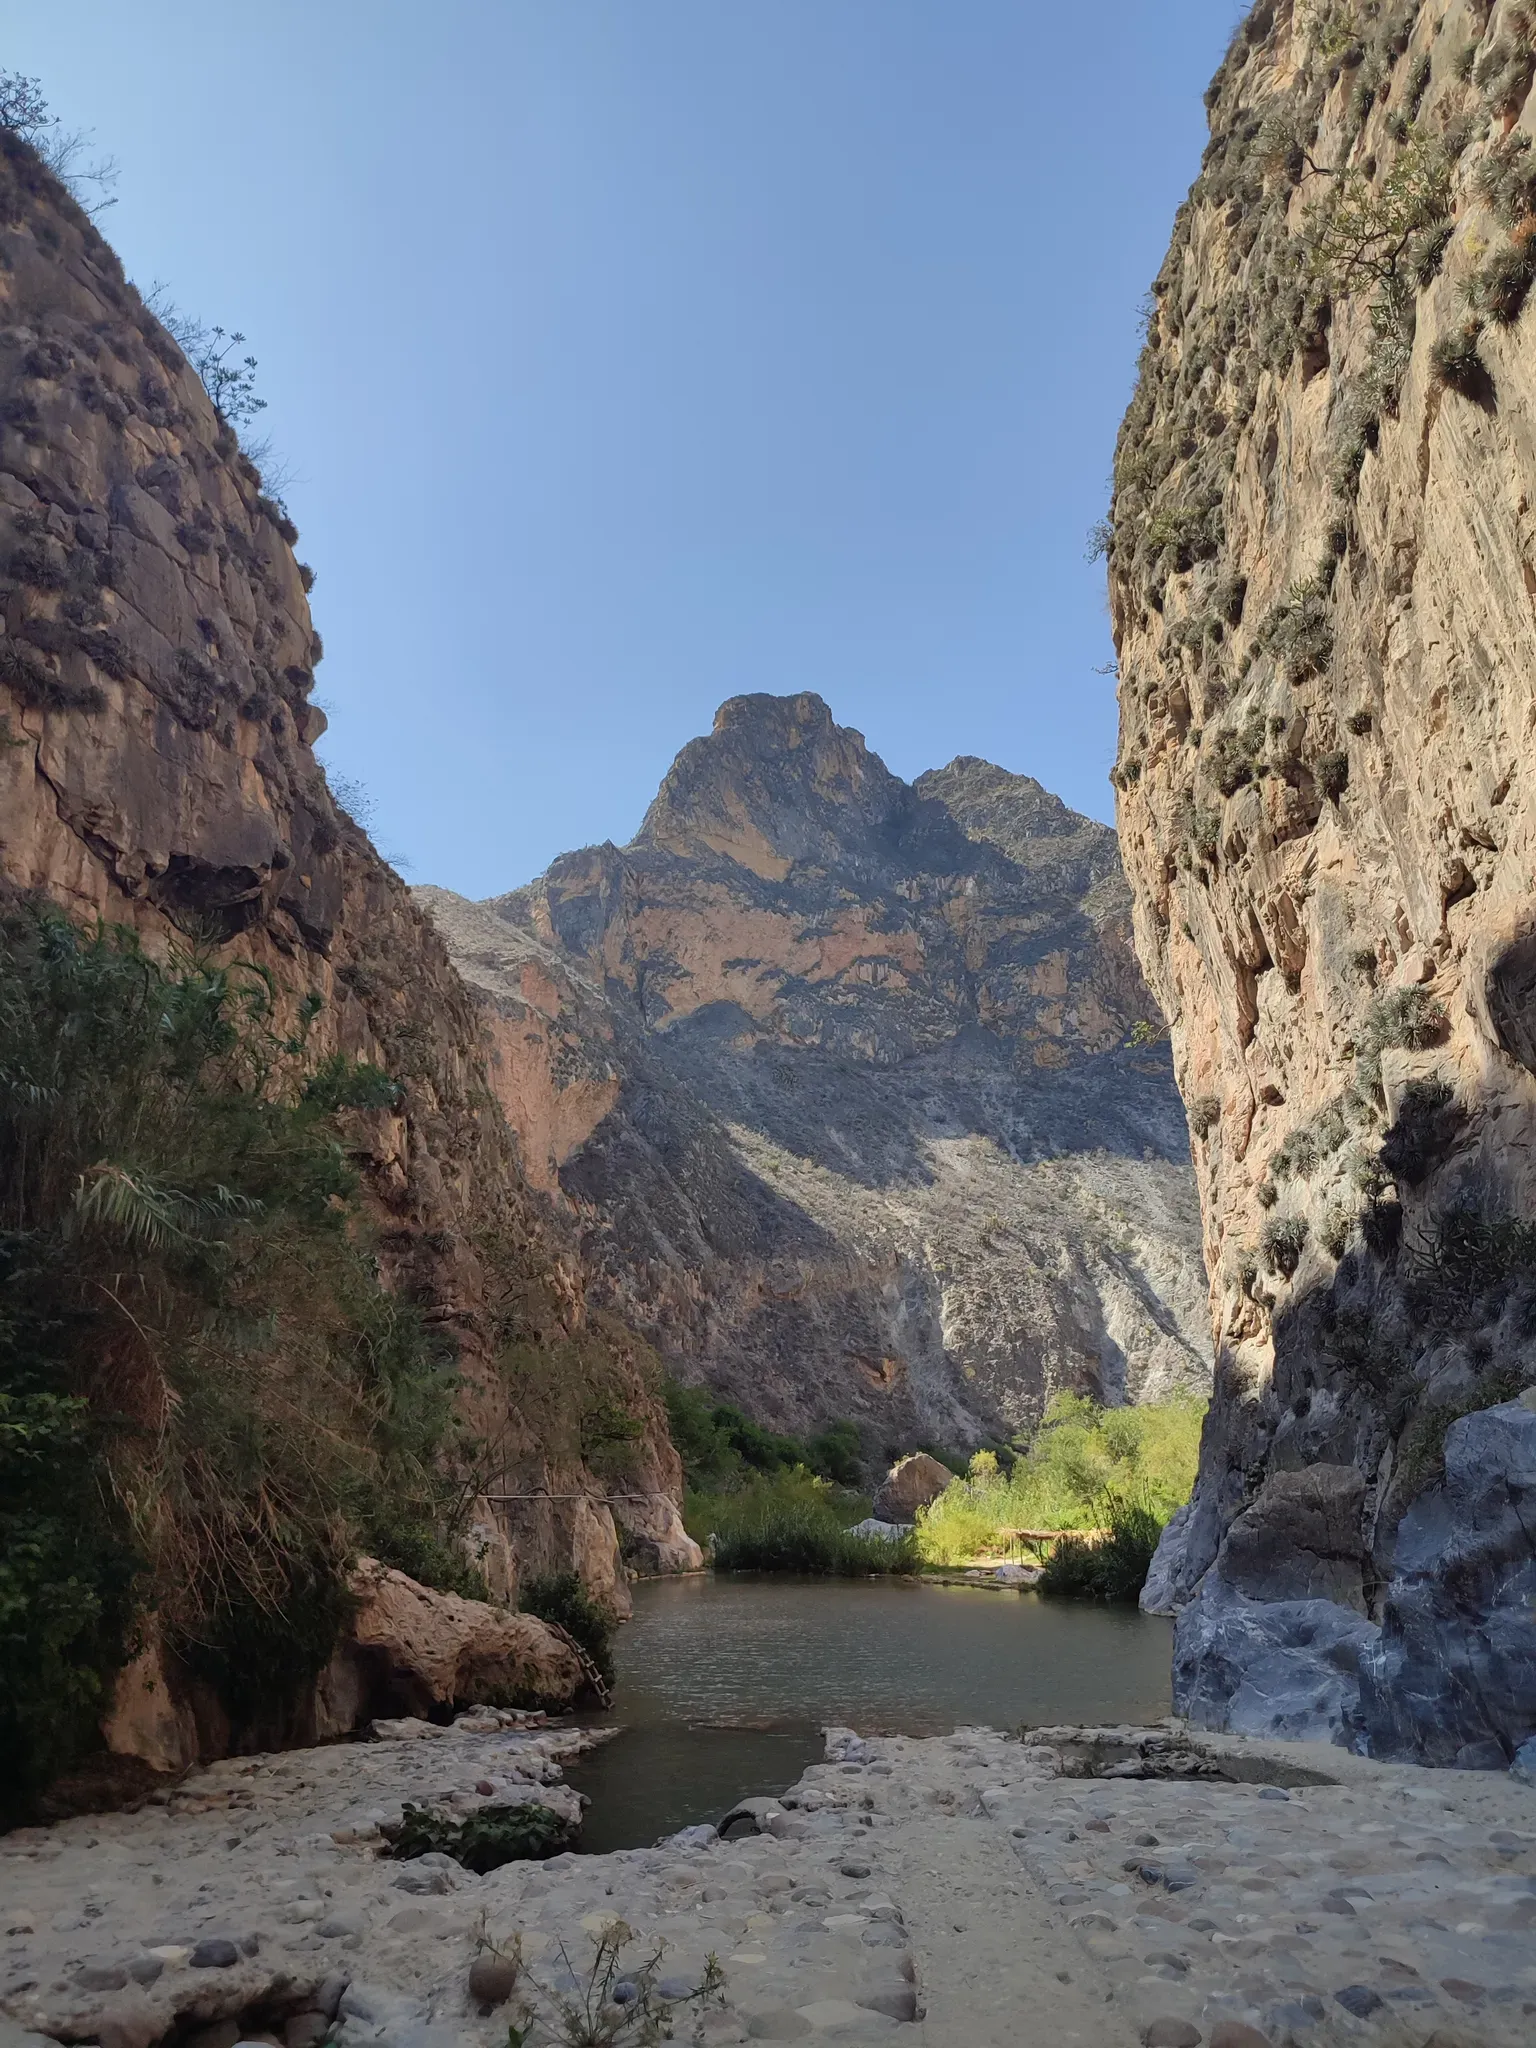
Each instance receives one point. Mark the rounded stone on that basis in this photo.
(1237, 2034)
(1169, 2032)
(896, 2002)
(101, 1977)
(1272, 1792)
(492, 1979)
(214, 1955)
(673, 1988)
(1359, 1999)
(853, 1869)
(145, 1969)
(1463, 1990)
(881, 1934)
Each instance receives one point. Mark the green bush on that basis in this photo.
(720, 1446)
(1282, 1241)
(1333, 774)
(1408, 1017)
(792, 1523)
(1428, 1118)
(836, 1453)
(1114, 1567)
(560, 1597)
(1455, 362)
(206, 1396)
(488, 1838)
(1082, 1460)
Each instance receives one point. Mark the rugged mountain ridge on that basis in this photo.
(156, 668)
(833, 1069)
(1321, 574)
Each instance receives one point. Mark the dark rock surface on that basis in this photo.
(836, 1070)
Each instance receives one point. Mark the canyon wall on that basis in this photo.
(834, 1071)
(1322, 565)
(156, 770)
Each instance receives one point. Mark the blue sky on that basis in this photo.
(630, 354)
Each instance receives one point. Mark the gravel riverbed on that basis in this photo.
(964, 1890)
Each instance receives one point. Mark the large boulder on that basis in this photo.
(910, 1484)
(410, 1649)
(1277, 1668)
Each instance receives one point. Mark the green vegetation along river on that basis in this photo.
(725, 1683)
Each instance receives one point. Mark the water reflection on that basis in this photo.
(725, 1683)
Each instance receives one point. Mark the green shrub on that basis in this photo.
(792, 1522)
(1114, 1567)
(1422, 1132)
(560, 1597)
(1282, 1241)
(1081, 1457)
(1298, 631)
(836, 1453)
(1467, 1263)
(1455, 362)
(196, 1352)
(1232, 759)
(488, 1838)
(1204, 1114)
(1506, 179)
(1408, 1017)
(1333, 774)
(720, 1446)
(1499, 288)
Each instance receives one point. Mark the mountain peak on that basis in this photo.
(777, 781)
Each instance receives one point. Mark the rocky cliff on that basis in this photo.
(834, 1070)
(1322, 568)
(156, 725)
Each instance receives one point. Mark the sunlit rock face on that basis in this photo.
(1321, 577)
(835, 1070)
(157, 771)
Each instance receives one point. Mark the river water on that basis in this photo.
(725, 1683)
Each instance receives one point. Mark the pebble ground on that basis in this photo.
(966, 1890)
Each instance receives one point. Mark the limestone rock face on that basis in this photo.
(1321, 577)
(156, 667)
(911, 1483)
(835, 1070)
